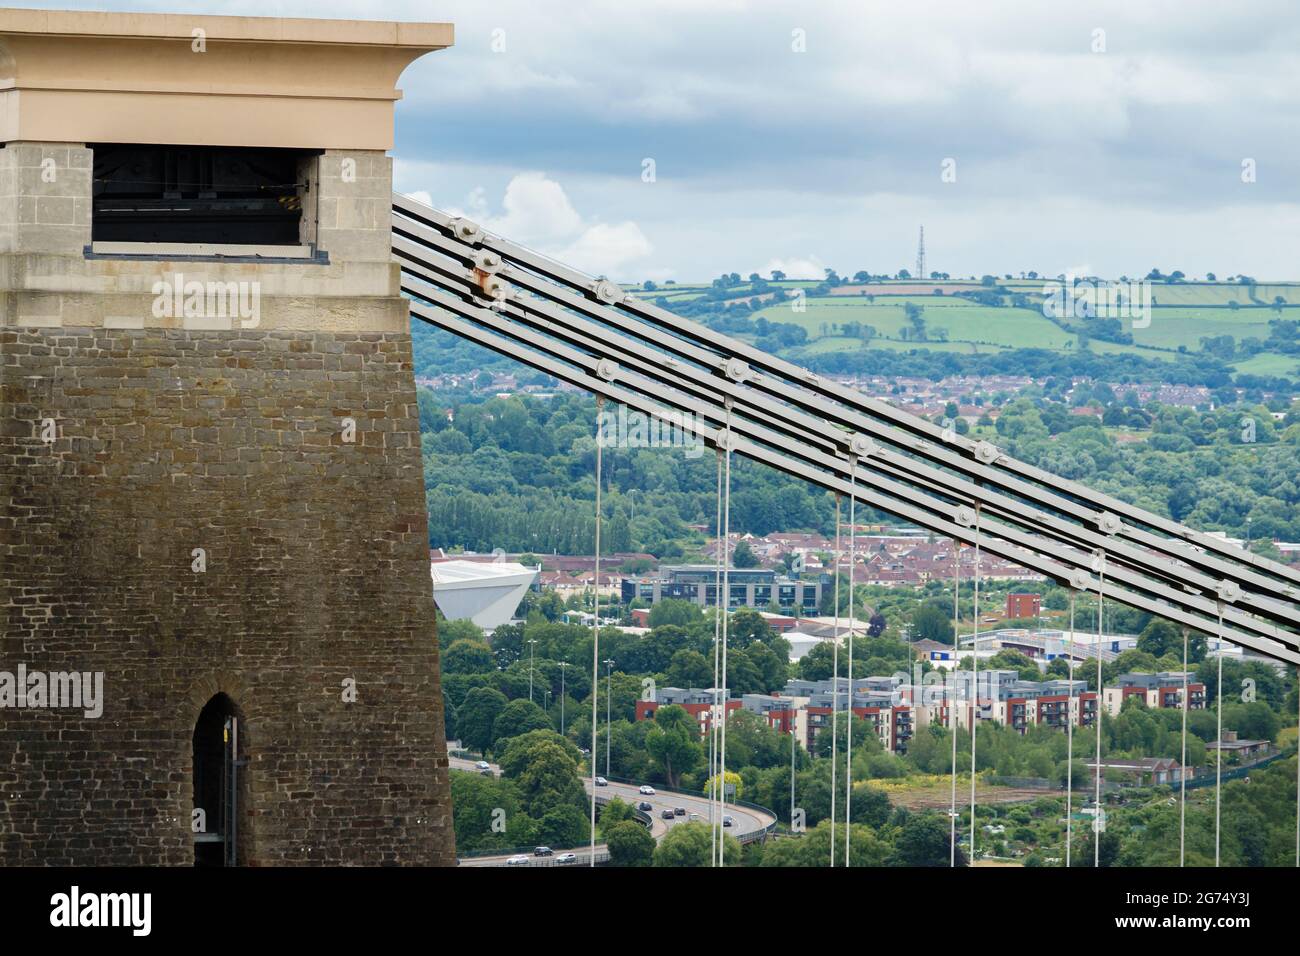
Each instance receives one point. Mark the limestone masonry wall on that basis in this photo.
(171, 440)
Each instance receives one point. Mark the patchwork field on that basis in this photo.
(1182, 316)
(964, 321)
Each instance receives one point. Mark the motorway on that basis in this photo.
(749, 823)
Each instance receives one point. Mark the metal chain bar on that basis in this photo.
(665, 371)
(899, 507)
(682, 328)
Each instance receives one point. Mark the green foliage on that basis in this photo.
(613, 813)
(689, 844)
(467, 657)
(931, 624)
(743, 556)
(477, 715)
(674, 743)
(630, 844)
(689, 668)
(544, 767)
(449, 632)
(924, 841)
(488, 814)
(516, 718)
(866, 848)
(674, 611)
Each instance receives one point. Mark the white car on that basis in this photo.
(566, 858)
(482, 765)
(647, 791)
(519, 860)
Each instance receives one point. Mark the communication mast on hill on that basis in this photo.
(920, 255)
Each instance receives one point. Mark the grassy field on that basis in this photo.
(1268, 363)
(965, 321)
(840, 343)
(1172, 327)
(1184, 314)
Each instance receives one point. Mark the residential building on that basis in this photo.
(696, 701)
(874, 699)
(1004, 697)
(1021, 606)
(1155, 690)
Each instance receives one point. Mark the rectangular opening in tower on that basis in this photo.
(198, 194)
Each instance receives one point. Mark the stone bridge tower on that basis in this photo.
(216, 622)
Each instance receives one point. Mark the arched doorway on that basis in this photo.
(219, 760)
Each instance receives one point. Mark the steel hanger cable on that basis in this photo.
(950, 688)
(1218, 763)
(595, 629)
(1182, 770)
(1070, 718)
(1098, 820)
(975, 674)
(848, 746)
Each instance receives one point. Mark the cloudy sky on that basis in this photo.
(1105, 138)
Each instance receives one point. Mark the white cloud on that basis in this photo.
(809, 268)
(607, 249)
(537, 212)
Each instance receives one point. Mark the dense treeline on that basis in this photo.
(519, 473)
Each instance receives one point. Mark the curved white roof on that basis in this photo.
(487, 593)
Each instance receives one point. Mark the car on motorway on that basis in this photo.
(694, 818)
(543, 851)
(602, 782)
(666, 814)
(566, 858)
(644, 805)
(520, 860)
(679, 811)
(482, 765)
(728, 822)
(646, 790)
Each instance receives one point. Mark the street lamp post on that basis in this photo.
(563, 666)
(531, 644)
(790, 718)
(609, 671)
